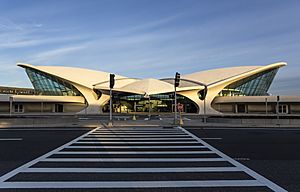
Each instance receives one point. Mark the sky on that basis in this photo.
(151, 38)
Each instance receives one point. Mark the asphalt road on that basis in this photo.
(271, 153)
(20, 145)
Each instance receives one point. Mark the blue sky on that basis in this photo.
(150, 38)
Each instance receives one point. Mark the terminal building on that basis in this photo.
(234, 90)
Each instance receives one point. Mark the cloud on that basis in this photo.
(54, 54)
(19, 35)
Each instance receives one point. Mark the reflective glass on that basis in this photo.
(45, 84)
(255, 85)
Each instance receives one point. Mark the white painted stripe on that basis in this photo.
(132, 159)
(138, 133)
(11, 139)
(134, 147)
(137, 136)
(132, 170)
(245, 169)
(211, 138)
(137, 142)
(137, 128)
(130, 184)
(47, 129)
(131, 152)
(125, 139)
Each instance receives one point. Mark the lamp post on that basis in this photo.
(204, 120)
(277, 109)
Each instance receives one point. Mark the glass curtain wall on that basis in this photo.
(45, 84)
(158, 103)
(256, 85)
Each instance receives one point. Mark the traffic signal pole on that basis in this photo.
(111, 85)
(176, 84)
(175, 103)
(110, 105)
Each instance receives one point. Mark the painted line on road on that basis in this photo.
(137, 131)
(46, 129)
(211, 138)
(132, 170)
(165, 133)
(137, 142)
(132, 152)
(11, 139)
(245, 169)
(125, 139)
(137, 136)
(132, 184)
(241, 159)
(132, 159)
(29, 164)
(134, 147)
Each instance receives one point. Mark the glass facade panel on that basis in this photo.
(127, 103)
(256, 85)
(45, 84)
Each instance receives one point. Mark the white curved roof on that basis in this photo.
(85, 77)
(216, 75)
(99, 79)
(150, 86)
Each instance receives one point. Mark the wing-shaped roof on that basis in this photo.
(145, 86)
(99, 79)
(150, 86)
(218, 75)
(84, 77)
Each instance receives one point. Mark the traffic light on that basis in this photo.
(111, 80)
(177, 79)
(202, 93)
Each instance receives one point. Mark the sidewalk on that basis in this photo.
(200, 124)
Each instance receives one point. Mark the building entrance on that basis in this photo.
(160, 103)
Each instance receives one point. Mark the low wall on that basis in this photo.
(255, 121)
(38, 122)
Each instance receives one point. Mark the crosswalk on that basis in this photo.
(136, 158)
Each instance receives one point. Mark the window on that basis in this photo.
(45, 84)
(59, 108)
(255, 85)
(19, 108)
(283, 109)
